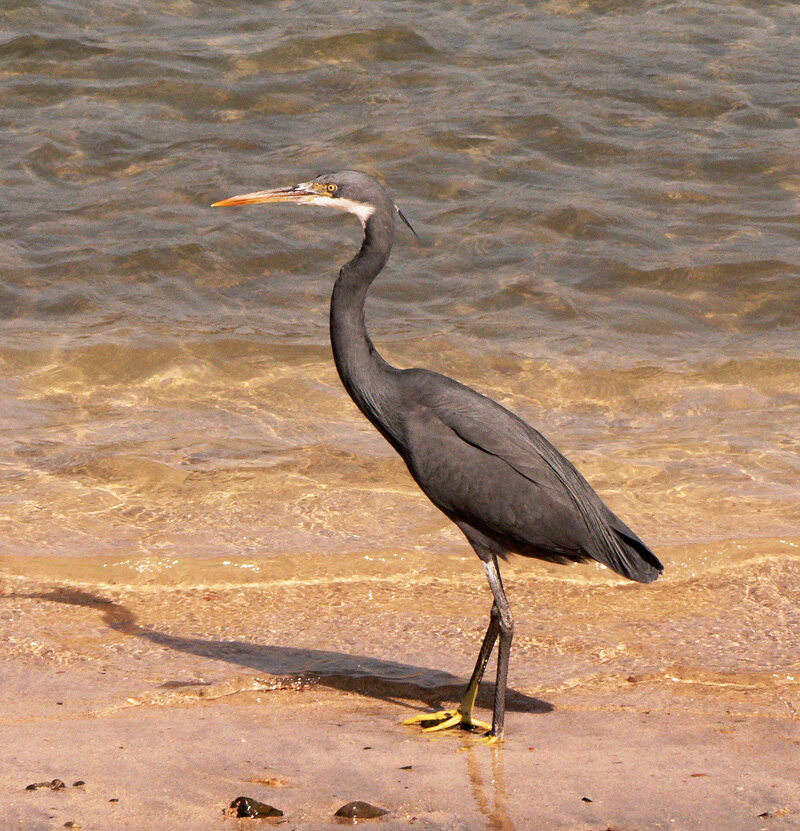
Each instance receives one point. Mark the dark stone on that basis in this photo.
(360, 810)
(78, 783)
(406, 767)
(246, 806)
(585, 799)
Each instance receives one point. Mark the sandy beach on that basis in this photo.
(173, 700)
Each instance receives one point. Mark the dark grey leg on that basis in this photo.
(505, 624)
(500, 624)
(468, 702)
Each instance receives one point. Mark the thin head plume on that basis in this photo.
(403, 217)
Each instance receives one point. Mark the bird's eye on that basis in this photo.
(331, 188)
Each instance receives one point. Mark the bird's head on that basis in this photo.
(348, 190)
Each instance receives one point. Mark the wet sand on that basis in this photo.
(177, 698)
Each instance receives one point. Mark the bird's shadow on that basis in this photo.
(385, 680)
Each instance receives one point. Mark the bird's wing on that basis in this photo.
(485, 424)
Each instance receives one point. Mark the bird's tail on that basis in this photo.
(638, 561)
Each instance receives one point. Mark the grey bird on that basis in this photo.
(497, 478)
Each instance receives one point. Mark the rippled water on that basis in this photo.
(608, 198)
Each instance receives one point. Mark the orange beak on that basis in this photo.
(299, 194)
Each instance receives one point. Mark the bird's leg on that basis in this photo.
(506, 626)
(500, 624)
(463, 714)
(468, 701)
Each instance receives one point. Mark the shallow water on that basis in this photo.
(607, 194)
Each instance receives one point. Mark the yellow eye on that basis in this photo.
(331, 188)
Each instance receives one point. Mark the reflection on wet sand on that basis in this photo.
(491, 799)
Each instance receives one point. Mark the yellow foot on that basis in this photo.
(446, 719)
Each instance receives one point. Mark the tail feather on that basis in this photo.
(641, 564)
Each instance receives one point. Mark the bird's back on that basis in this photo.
(484, 466)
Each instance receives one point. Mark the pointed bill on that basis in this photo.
(299, 194)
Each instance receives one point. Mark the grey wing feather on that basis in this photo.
(483, 423)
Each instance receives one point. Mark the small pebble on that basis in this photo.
(406, 767)
(70, 824)
(585, 799)
(78, 783)
(246, 806)
(113, 800)
(360, 810)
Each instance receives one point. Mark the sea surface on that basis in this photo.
(608, 200)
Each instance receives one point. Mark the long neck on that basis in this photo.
(369, 380)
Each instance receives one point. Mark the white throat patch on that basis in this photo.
(361, 209)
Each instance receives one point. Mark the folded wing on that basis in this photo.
(537, 493)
